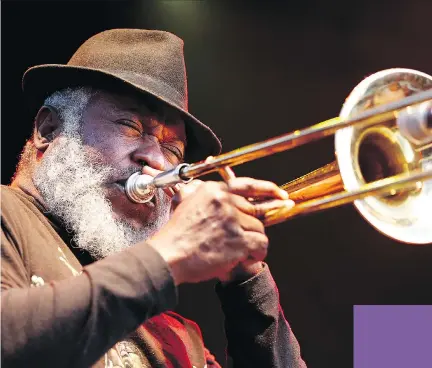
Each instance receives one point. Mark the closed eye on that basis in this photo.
(130, 124)
(174, 150)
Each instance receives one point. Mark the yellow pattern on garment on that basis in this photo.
(66, 262)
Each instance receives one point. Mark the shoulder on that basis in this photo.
(8, 195)
(9, 202)
(14, 204)
(20, 217)
(11, 196)
(12, 250)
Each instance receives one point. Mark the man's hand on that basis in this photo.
(215, 229)
(267, 196)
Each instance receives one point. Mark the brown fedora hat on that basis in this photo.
(149, 62)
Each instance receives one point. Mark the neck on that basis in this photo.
(24, 182)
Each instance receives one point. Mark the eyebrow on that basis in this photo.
(119, 108)
(138, 109)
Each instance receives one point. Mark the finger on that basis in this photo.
(150, 171)
(251, 259)
(184, 191)
(258, 246)
(171, 191)
(259, 209)
(243, 204)
(259, 189)
(249, 223)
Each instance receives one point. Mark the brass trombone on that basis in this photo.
(383, 147)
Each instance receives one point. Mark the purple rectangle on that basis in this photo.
(392, 336)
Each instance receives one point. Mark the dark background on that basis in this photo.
(256, 70)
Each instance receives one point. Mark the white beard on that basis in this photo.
(71, 186)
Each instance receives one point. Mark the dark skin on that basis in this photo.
(127, 134)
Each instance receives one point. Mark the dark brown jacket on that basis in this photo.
(115, 312)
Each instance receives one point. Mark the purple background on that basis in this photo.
(393, 336)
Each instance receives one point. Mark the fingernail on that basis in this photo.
(283, 194)
(289, 203)
(150, 171)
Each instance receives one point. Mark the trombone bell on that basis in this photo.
(378, 156)
(403, 215)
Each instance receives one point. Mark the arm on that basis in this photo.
(257, 331)
(72, 323)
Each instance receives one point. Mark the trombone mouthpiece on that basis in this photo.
(140, 188)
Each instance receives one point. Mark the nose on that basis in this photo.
(149, 153)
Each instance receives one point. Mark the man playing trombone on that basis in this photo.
(88, 276)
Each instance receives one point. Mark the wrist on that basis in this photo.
(243, 272)
(171, 260)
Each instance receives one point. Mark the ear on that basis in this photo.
(47, 126)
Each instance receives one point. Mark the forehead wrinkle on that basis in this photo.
(117, 103)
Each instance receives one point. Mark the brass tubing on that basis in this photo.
(297, 138)
(381, 187)
(323, 181)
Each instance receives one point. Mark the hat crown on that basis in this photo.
(142, 57)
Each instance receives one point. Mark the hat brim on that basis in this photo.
(42, 80)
